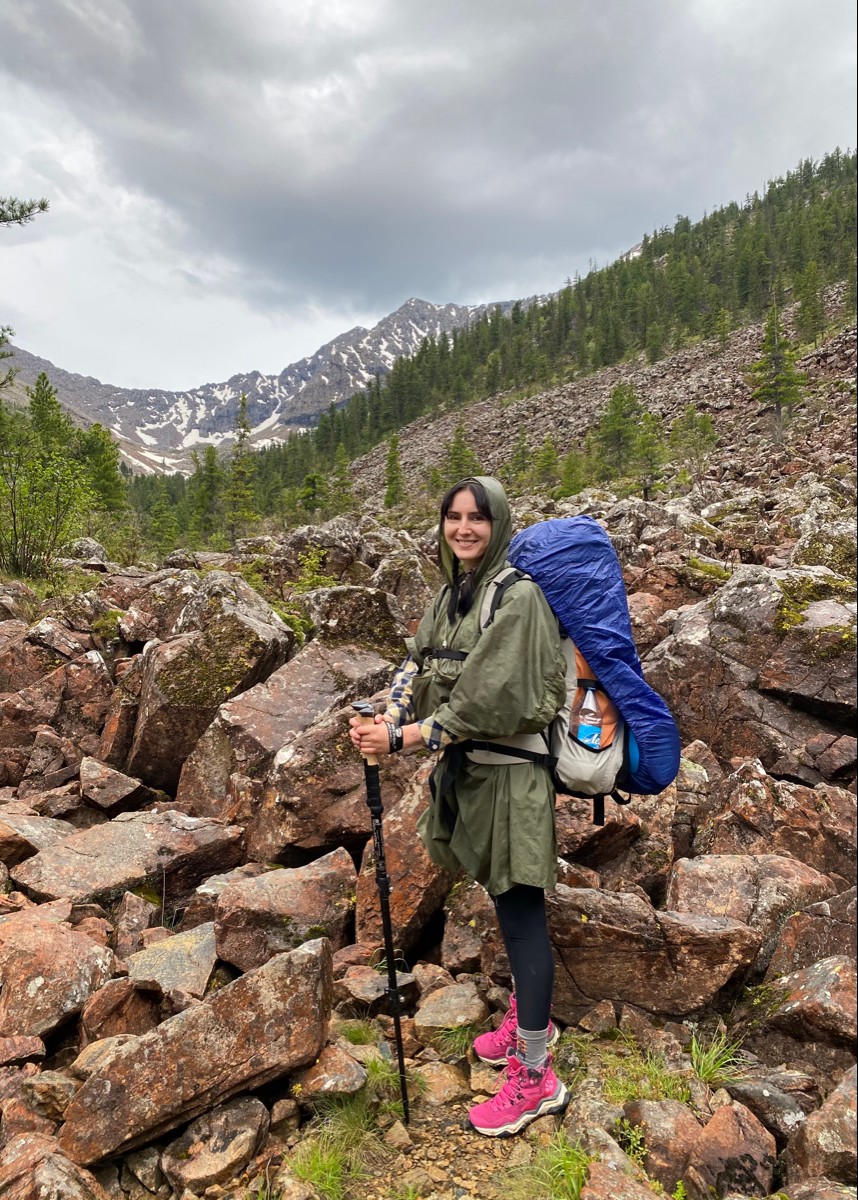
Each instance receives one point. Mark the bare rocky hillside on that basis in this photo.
(822, 437)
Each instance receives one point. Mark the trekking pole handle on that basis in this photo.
(364, 710)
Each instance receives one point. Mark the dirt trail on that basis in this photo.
(449, 1161)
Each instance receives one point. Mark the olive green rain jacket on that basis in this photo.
(496, 822)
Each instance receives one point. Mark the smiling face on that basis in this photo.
(467, 531)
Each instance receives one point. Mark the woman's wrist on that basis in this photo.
(395, 738)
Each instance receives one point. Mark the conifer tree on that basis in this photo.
(313, 495)
(654, 342)
(290, 506)
(692, 440)
(101, 457)
(163, 526)
(8, 373)
(50, 424)
(238, 494)
(518, 465)
(850, 299)
(650, 453)
(460, 461)
(493, 372)
(573, 473)
(394, 480)
(774, 379)
(810, 317)
(206, 488)
(616, 434)
(340, 490)
(546, 467)
(723, 324)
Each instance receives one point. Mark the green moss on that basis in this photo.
(106, 626)
(798, 592)
(207, 675)
(317, 931)
(254, 575)
(710, 570)
(830, 641)
(837, 552)
(756, 1005)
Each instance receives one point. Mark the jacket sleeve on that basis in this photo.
(514, 680)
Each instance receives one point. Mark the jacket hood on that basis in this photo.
(495, 556)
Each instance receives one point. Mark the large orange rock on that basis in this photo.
(616, 946)
(265, 1025)
(168, 852)
(32, 1168)
(258, 918)
(48, 970)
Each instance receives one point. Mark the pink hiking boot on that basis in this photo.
(495, 1046)
(526, 1094)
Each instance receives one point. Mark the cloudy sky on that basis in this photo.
(234, 182)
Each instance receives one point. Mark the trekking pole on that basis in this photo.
(382, 879)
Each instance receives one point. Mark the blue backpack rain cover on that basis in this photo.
(575, 564)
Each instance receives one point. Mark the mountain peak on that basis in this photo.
(157, 429)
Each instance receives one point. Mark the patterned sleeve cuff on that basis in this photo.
(400, 704)
(435, 736)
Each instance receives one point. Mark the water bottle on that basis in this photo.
(586, 719)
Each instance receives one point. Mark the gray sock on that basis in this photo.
(532, 1046)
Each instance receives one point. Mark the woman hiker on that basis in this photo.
(495, 821)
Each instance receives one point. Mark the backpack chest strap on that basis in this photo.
(443, 652)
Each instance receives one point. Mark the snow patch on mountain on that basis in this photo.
(174, 423)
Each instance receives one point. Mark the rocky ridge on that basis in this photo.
(184, 841)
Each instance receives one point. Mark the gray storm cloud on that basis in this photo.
(350, 154)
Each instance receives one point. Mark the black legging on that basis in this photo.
(523, 925)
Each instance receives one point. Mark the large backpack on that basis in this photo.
(574, 563)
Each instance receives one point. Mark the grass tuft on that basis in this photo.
(630, 1073)
(717, 1062)
(359, 1033)
(341, 1147)
(455, 1042)
(558, 1171)
(625, 1070)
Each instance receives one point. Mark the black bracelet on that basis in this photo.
(391, 738)
(399, 738)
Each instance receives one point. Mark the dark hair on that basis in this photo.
(481, 498)
(462, 589)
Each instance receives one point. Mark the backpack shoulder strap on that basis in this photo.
(496, 591)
